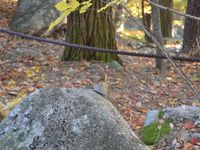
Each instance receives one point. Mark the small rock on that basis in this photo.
(101, 88)
(34, 16)
(172, 138)
(197, 123)
(115, 65)
(174, 142)
(152, 116)
(180, 113)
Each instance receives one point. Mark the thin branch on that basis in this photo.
(179, 71)
(173, 11)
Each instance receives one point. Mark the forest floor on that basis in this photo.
(139, 87)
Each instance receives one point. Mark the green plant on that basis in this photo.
(161, 114)
(155, 131)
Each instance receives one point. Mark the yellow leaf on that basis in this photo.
(58, 20)
(117, 2)
(5, 109)
(30, 73)
(3, 112)
(67, 8)
(74, 3)
(85, 6)
(107, 5)
(21, 94)
(86, 2)
(36, 69)
(61, 6)
(43, 76)
(11, 83)
(14, 102)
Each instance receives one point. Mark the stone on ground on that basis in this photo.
(115, 65)
(34, 16)
(66, 119)
(182, 113)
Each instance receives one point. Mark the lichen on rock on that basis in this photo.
(60, 118)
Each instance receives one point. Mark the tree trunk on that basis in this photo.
(160, 63)
(92, 29)
(166, 18)
(146, 18)
(117, 17)
(191, 39)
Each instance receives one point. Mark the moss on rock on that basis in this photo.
(151, 132)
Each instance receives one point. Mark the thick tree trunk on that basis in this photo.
(92, 29)
(166, 18)
(160, 63)
(191, 41)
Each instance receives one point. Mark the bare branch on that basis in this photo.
(173, 11)
(178, 70)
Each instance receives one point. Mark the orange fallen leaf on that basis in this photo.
(188, 146)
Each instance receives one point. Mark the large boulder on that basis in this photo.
(34, 16)
(66, 119)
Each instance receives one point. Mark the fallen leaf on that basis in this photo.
(189, 125)
(194, 141)
(188, 146)
(40, 85)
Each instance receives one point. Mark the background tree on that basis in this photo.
(191, 39)
(146, 19)
(166, 18)
(160, 63)
(92, 29)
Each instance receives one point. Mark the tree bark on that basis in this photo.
(191, 39)
(166, 18)
(146, 19)
(92, 29)
(160, 63)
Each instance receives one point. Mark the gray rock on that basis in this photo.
(34, 16)
(182, 112)
(66, 119)
(152, 116)
(22, 52)
(115, 65)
